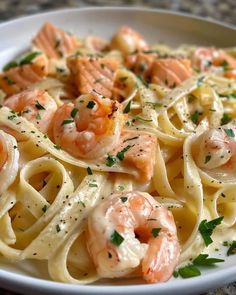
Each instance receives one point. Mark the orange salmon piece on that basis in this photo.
(54, 42)
(140, 63)
(139, 151)
(171, 71)
(19, 78)
(204, 57)
(93, 73)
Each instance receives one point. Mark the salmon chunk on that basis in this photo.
(127, 41)
(141, 63)
(171, 71)
(93, 73)
(205, 57)
(138, 150)
(54, 42)
(20, 77)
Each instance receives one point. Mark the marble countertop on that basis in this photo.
(216, 9)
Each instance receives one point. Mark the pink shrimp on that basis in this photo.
(131, 229)
(9, 157)
(217, 148)
(36, 106)
(127, 41)
(90, 128)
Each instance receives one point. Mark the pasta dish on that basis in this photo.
(117, 157)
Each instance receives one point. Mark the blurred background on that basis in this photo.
(222, 10)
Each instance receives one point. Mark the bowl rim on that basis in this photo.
(128, 8)
(226, 275)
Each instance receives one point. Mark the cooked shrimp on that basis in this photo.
(205, 57)
(217, 148)
(140, 151)
(9, 157)
(54, 42)
(90, 128)
(93, 73)
(36, 106)
(171, 71)
(131, 229)
(20, 77)
(127, 41)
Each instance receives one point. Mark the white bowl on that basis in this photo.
(155, 25)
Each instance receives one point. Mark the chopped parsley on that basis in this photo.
(232, 249)
(38, 117)
(195, 117)
(121, 155)
(116, 238)
(189, 271)
(207, 159)
(93, 185)
(127, 108)
(39, 106)
(200, 81)
(27, 59)
(45, 208)
(91, 104)
(11, 64)
(123, 79)
(124, 199)
(58, 229)
(111, 160)
(206, 229)
(89, 171)
(57, 147)
(203, 260)
(60, 70)
(74, 112)
(143, 81)
(9, 80)
(229, 132)
(155, 231)
(225, 65)
(68, 121)
(225, 119)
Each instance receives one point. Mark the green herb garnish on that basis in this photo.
(225, 119)
(207, 159)
(116, 238)
(89, 171)
(189, 271)
(232, 249)
(74, 112)
(45, 208)
(27, 59)
(229, 132)
(127, 108)
(203, 260)
(110, 161)
(68, 121)
(206, 229)
(155, 231)
(39, 106)
(124, 199)
(120, 155)
(195, 117)
(91, 104)
(58, 228)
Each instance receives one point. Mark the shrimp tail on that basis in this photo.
(161, 258)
